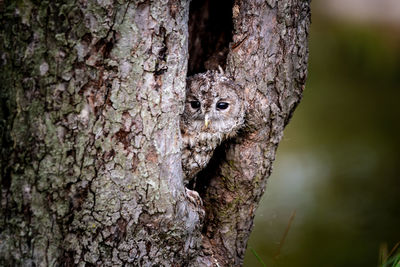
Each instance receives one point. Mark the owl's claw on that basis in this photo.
(194, 197)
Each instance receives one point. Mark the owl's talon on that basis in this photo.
(194, 197)
(196, 200)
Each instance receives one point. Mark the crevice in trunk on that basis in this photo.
(210, 32)
(205, 176)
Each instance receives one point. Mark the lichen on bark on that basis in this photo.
(92, 93)
(90, 163)
(268, 57)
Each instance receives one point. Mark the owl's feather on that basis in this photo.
(214, 111)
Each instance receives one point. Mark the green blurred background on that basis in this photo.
(335, 188)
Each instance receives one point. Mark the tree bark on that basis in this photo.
(268, 57)
(91, 93)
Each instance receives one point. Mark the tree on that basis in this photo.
(91, 93)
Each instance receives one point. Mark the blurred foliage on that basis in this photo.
(338, 165)
(389, 259)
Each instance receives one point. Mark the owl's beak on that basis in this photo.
(206, 121)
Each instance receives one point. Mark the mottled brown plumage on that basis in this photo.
(214, 111)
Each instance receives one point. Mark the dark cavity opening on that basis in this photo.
(205, 176)
(210, 32)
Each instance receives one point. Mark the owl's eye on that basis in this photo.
(195, 104)
(222, 105)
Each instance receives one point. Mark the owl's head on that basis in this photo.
(214, 104)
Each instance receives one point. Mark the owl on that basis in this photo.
(214, 112)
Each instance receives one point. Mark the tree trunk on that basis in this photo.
(91, 93)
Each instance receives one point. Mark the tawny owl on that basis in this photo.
(214, 112)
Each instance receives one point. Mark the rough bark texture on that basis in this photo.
(91, 93)
(268, 57)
